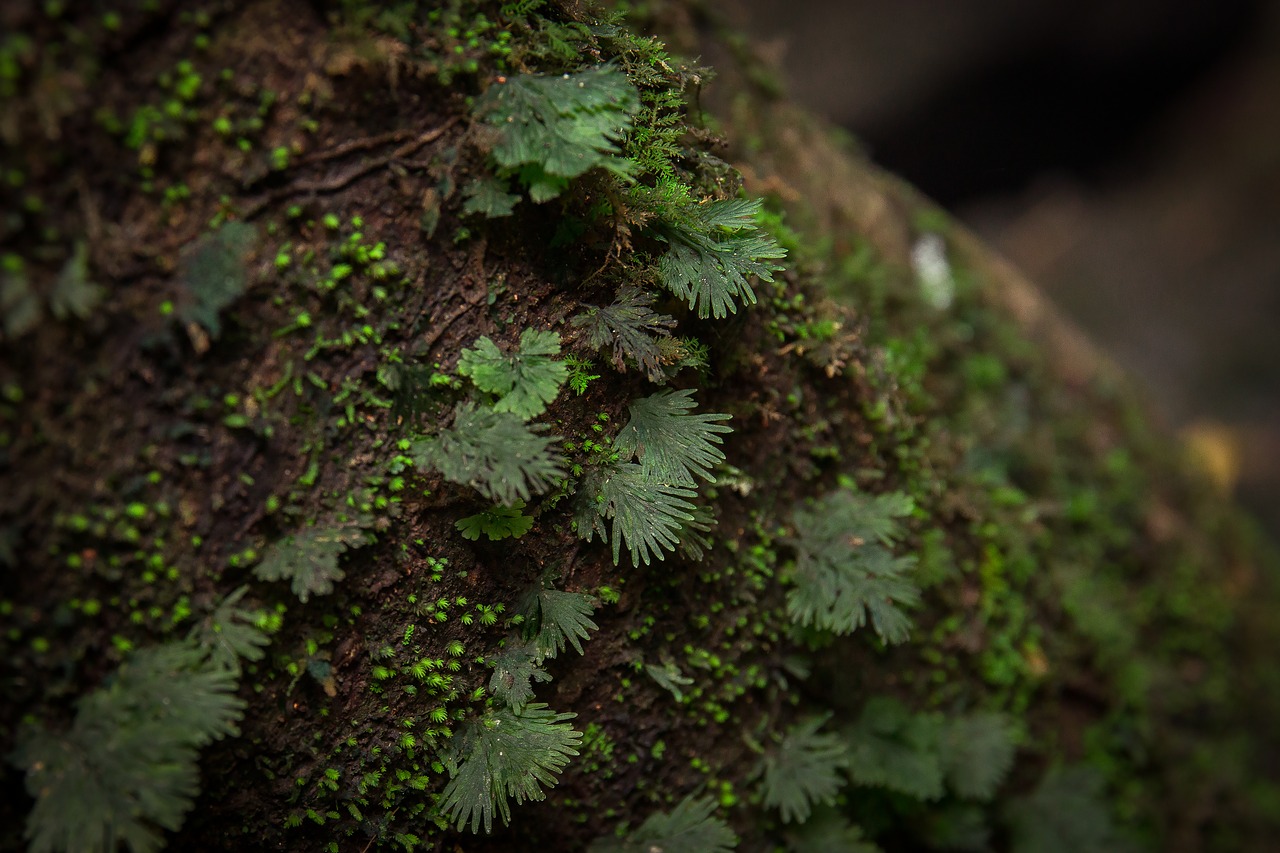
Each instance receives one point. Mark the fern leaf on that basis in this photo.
(73, 293)
(803, 770)
(632, 328)
(505, 754)
(309, 559)
(550, 129)
(977, 753)
(515, 668)
(526, 381)
(845, 576)
(1067, 812)
(690, 827)
(889, 747)
(672, 445)
(715, 248)
(646, 515)
(669, 677)
(500, 522)
(488, 197)
(828, 832)
(230, 634)
(558, 618)
(495, 453)
(214, 273)
(127, 770)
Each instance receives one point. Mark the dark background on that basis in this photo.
(1124, 153)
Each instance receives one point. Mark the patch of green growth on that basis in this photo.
(631, 329)
(549, 129)
(690, 827)
(213, 274)
(805, 768)
(845, 574)
(525, 381)
(309, 558)
(499, 522)
(126, 771)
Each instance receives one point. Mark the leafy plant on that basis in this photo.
(515, 668)
(804, 769)
(214, 274)
(691, 827)
(580, 375)
(230, 634)
(977, 753)
(309, 559)
(555, 618)
(507, 753)
(631, 328)
(647, 516)
(827, 831)
(669, 677)
(525, 381)
(553, 128)
(495, 453)
(74, 294)
(1067, 812)
(488, 197)
(715, 247)
(845, 574)
(671, 444)
(889, 747)
(127, 769)
(500, 522)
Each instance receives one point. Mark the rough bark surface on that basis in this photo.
(238, 277)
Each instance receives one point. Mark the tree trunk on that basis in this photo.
(335, 343)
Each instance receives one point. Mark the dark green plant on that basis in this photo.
(977, 753)
(214, 274)
(524, 381)
(805, 768)
(549, 129)
(554, 619)
(127, 770)
(827, 831)
(691, 827)
(500, 522)
(631, 328)
(1066, 812)
(309, 559)
(506, 754)
(230, 633)
(646, 516)
(672, 444)
(669, 677)
(845, 574)
(515, 668)
(890, 747)
(495, 453)
(488, 197)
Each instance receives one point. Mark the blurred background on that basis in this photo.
(1124, 153)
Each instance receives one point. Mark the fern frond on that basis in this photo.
(1067, 812)
(488, 197)
(309, 559)
(890, 747)
(557, 618)
(671, 444)
(495, 453)
(631, 328)
(214, 274)
(499, 522)
(845, 576)
(127, 770)
(515, 668)
(551, 129)
(230, 634)
(715, 248)
(646, 515)
(803, 770)
(827, 831)
(977, 754)
(669, 677)
(507, 753)
(691, 827)
(524, 381)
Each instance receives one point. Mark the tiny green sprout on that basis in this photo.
(439, 715)
(455, 649)
(331, 221)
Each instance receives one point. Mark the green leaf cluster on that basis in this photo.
(549, 129)
(631, 328)
(494, 452)
(845, 573)
(499, 522)
(691, 827)
(648, 502)
(127, 769)
(524, 381)
(715, 247)
(923, 755)
(231, 634)
(1067, 812)
(73, 294)
(554, 619)
(804, 769)
(309, 559)
(214, 274)
(507, 753)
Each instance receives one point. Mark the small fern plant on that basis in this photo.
(524, 381)
(845, 573)
(309, 558)
(691, 827)
(804, 769)
(127, 769)
(646, 504)
(547, 130)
